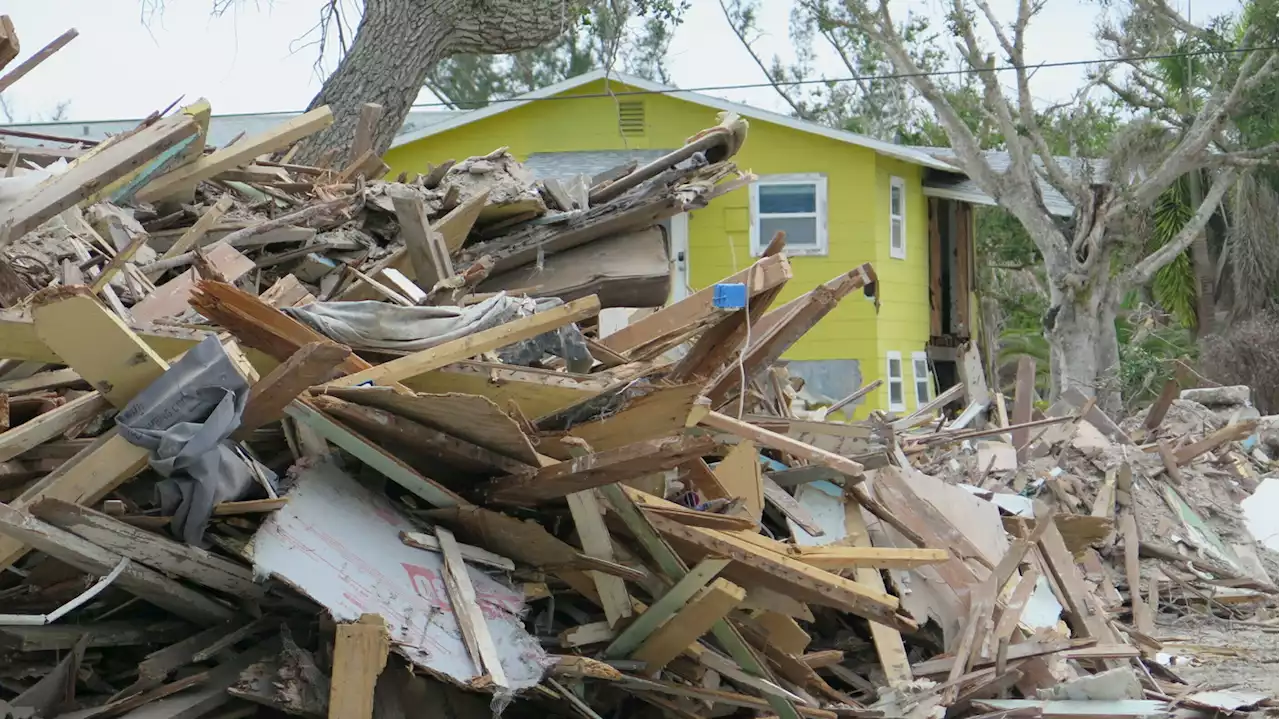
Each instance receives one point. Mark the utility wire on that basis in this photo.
(859, 78)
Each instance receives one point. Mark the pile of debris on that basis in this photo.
(287, 438)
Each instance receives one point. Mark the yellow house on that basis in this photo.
(843, 199)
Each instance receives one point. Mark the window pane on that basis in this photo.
(922, 393)
(801, 197)
(895, 233)
(895, 393)
(895, 200)
(921, 368)
(801, 231)
(895, 368)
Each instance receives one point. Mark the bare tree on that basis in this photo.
(1091, 264)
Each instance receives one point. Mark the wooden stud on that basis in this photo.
(370, 113)
(708, 606)
(312, 364)
(887, 640)
(638, 631)
(473, 344)
(589, 520)
(45, 427)
(241, 153)
(1025, 388)
(739, 474)
(194, 234)
(424, 246)
(746, 430)
(466, 608)
(359, 656)
(836, 558)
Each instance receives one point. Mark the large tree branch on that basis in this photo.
(1144, 270)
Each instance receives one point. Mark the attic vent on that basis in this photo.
(631, 118)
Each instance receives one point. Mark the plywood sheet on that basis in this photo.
(339, 544)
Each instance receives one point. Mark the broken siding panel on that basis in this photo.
(339, 544)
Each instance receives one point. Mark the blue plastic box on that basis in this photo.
(730, 295)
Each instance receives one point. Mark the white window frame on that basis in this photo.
(890, 381)
(918, 379)
(899, 252)
(819, 182)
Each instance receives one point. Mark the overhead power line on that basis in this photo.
(859, 78)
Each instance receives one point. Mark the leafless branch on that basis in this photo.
(740, 33)
(1143, 271)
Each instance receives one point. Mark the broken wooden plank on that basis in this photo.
(311, 365)
(359, 654)
(598, 469)
(136, 578)
(94, 170)
(835, 558)
(9, 45)
(470, 553)
(746, 430)
(425, 247)
(588, 518)
(473, 344)
(739, 474)
(148, 548)
(241, 153)
(887, 640)
(711, 604)
(1231, 433)
(1023, 392)
(37, 431)
(475, 629)
(34, 61)
(172, 297)
(639, 630)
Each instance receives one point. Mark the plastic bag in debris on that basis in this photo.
(184, 419)
(381, 325)
(15, 189)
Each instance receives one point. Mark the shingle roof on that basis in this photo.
(956, 186)
(563, 165)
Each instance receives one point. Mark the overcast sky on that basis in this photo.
(254, 58)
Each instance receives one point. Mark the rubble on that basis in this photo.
(300, 439)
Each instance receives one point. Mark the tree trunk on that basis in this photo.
(1084, 350)
(1202, 266)
(398, 42)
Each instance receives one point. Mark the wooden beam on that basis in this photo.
(174, 297)
(1230, 433)
(638, 631)
(588, 518)
(598, 469)
(424, 246)
(155, 550)
(887, 640)
(1023, 392)
(673, 320)
(708, 606)
(746, 430)
(476, 555)
(466, 608)
(240, 153)
(45, 427)
(473, 344)
(32, 62)
(88, 557)
(103, 165)
(314, 363)
(194, 234)
(739, 474)
(370, 113)
(755, 564)
(835, 558)
(359, 656)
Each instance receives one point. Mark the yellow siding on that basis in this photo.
(719, 235)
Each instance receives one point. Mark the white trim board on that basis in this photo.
(887, 149)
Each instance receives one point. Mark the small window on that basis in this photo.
(920, 373)
(897, 218)
(794, 204)
(893, 378)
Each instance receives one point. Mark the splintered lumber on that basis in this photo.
(106, 353)
(746, 430)
(469, 552)
(425, 247)
(887, 640)
(598, 469)
(638, 631)
(34, 432)
(149, 548)
(1080, 614)
(716, 696)
(194, 234)
(674, 569)
(311, 365)
(1023, 650)
(711, 604)
(32, 62)
(1230, 433)
(588, 518)
(466, 608)
(835, 558)
(376, 457)
(89, 557)
(243, 152)
(473, 344)
(172, 297)
(105, 164)
(359, 655)
(756, 565)
(1023, 391)
(768, 347)
(677, 319)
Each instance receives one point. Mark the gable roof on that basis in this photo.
(956, 186)
(888, 149)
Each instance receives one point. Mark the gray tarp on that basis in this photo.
(381, 325)
(184, 419)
